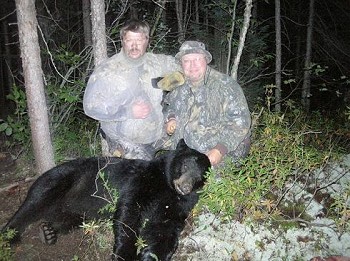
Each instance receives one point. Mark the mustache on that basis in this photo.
(134, 49)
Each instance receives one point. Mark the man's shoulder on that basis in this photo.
(216, 76)
(110, 64)
(158, 57)
(113, 60)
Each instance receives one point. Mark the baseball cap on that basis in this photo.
(193, 47)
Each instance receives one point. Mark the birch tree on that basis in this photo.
(99, 40)
(233, 12)
(33, 80)
(242, 37)
(99, 43)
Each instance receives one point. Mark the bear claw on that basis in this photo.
(47, 234)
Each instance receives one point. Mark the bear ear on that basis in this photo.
(181, 144)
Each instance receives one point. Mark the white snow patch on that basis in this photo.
(214, 240)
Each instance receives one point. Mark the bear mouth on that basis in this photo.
(182, 188)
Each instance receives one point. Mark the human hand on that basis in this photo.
(170, 127)
(141, 109)
(214, 156)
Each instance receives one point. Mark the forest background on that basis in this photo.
(279, 51)
(290, 57)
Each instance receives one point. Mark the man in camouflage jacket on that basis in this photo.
(119, 94)
(209, 111)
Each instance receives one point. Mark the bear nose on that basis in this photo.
(183, 186)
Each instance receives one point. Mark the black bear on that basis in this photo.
(154, 199)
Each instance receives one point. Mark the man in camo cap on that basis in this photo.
(209, 111)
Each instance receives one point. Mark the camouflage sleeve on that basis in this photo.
(105, 101)
(167, 64)
(228, 120)
(175, 108)
(111, 89)
(234, 120)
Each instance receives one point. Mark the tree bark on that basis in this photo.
(99, 41)
(7, 53)
(242, 36)
(278, 59)
(196, 8)
(33, 79)
(87, 22)
(305, 93)
(233, 22)
(99, 44)
(180, 20)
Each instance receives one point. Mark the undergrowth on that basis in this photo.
(6, 252)
(285, 146)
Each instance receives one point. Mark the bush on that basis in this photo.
(284, 145)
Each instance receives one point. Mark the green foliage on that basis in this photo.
(140, 244)
(112, 194)
(65, 89)
(77, 139)
(99, 237)
(281, 148)
(347, 112)
(17, 124)
(341, 209)
(72, 132)
(317, 69)
(5, 250)
(66, 57)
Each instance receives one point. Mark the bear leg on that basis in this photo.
(126, 222)
(161, 240)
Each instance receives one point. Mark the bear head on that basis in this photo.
(186, 169)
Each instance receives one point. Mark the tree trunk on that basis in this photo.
(305, 93)
(233, 22)
(278, 56)
(242, 36)
(33, 79)
(99, 41)
(87, 22)
(196, 6)
(7, 53)
(99, 44)
(180, 20)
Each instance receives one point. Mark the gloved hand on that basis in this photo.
(169, 82)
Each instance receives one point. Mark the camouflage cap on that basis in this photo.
(193, 47)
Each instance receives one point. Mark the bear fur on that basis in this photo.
(154, 199)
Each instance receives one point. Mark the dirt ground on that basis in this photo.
(16, 176)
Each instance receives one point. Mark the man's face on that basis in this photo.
(194, 66)
(135, 44)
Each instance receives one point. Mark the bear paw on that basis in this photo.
(47, 234)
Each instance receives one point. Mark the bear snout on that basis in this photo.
(183, 185)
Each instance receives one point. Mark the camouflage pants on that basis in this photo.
(241, 152)
(124, 148)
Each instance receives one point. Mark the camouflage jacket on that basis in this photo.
(212, 115)
(115, 84)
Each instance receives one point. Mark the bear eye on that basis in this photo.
(184, 167)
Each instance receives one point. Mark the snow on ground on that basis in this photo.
(213, 240)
